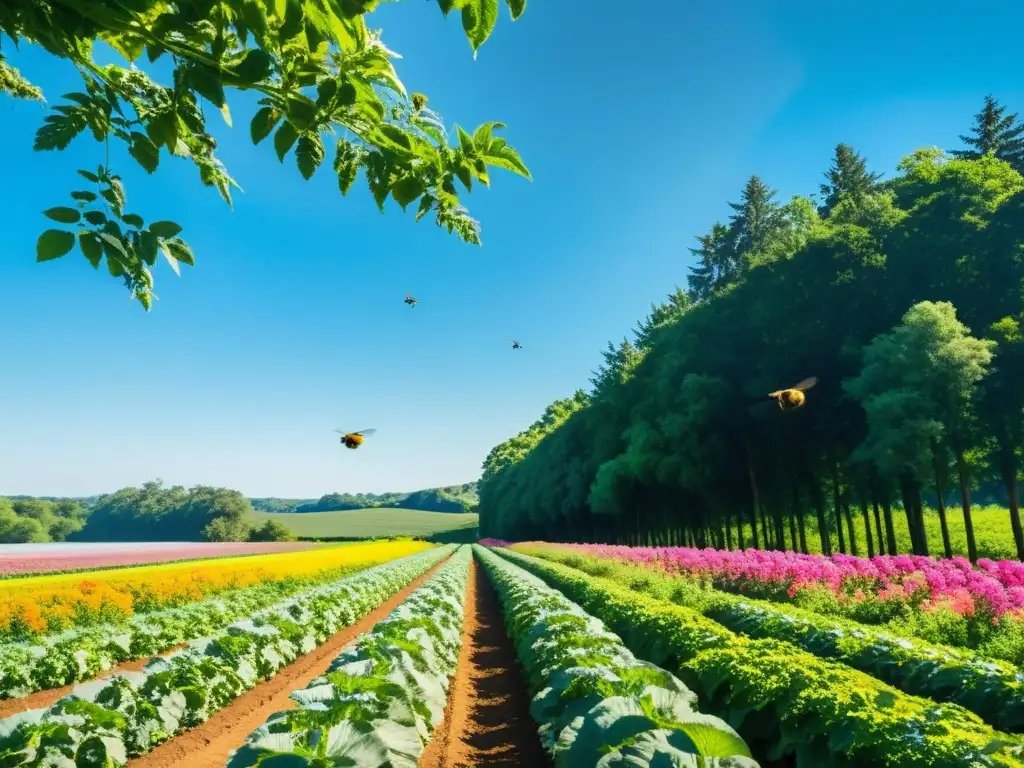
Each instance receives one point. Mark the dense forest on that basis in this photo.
(453, 498)
(902, 296)
(39, 520)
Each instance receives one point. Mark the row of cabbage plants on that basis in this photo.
(595, 702)
(383, 696)
(789, 705)
(105, 722)
(992, 689)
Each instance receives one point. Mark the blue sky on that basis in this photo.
(638, 127)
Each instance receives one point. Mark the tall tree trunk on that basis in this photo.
(728, 530)
(818, 502)
(801, 519)
(890, 530)
(939, 467)
(867, 523)
(765, 535)
(1008, 471)
(836, 501)
(854, 549)
(755, 495)
(965, 494)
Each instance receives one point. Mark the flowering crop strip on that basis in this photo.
(992, 589)
(596, 703)
(383, 696)
(785, 702)
(992, 690)
(33, 605)
(105, 722)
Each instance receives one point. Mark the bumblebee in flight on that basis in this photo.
(794, 396)
(411, 301)
(354, 439)
(516, 345)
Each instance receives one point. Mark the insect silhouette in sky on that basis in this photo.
(354, 439)
(794, 396)
(516, 345)
(411, 301)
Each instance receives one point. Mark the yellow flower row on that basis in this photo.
(56, 601)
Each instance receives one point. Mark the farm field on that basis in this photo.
(529, 654)
(371, 523)
(66, 556)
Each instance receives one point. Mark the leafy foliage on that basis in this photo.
(990, 689)
(783, 701)
(133, 712)
(595, 702)
(384, 695)
(326, 82)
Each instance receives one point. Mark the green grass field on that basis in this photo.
(372, 523)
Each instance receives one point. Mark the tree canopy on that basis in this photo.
(325, 81)
(902, 298)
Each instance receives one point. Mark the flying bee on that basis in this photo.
(411, 301)
(794, 396)
(354, 439)
(516, 345)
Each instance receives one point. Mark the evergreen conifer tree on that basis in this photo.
(995, 133)
(847, 179)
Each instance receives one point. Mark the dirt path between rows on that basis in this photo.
(487, 721)
(41, 699)
(208, 745)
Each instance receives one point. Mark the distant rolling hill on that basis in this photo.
(449, 499)
(376, 522)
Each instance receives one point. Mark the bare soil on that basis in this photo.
(487, 720)
(41, 699)
(208, 745)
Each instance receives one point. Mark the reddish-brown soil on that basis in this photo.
(208, 745)
(487, 720)
(41, 699)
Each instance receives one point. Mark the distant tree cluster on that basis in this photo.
(155, 513)
(25, 521)
(904, 297)
(454, 498)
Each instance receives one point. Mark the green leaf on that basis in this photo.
(165, 229)
(53, 244)
(133, 219)
(145, 152)
(147, 247)
(263, 123)
(96, 218)
(284, 139)
(478, 20)
(407, 189)
(301, 111)
(347, 161)
(516, 8)
(255, 67)
(484, 133)
(91, 246)
(89, 176)
(207, 83)
(116, 253)
(309, 154)
(84, 196)
(63, 215)
(170, 259)
(465, 141)
(179, 250)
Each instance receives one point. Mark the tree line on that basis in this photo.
(903, 296)
(150, 512)
(453, 498)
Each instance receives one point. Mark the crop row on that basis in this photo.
(34, 605)
(104, 722)
(787, 703)
(596, 703)
(993, 690)
(383, 696)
